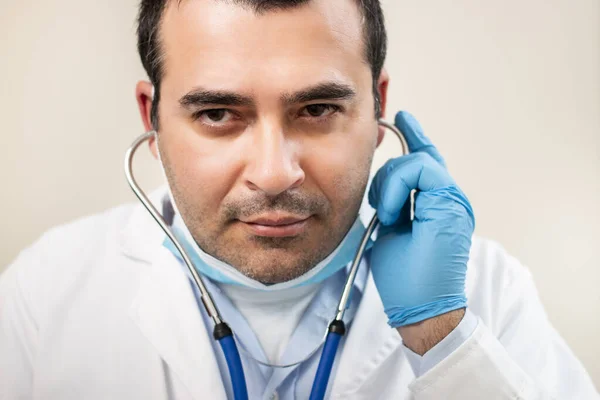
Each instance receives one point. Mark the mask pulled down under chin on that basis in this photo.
(222, 272)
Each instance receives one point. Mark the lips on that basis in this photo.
(276, 225)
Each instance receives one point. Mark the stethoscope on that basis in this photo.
(222, 332)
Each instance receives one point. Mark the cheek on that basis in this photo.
(203, 173)
(340, 168)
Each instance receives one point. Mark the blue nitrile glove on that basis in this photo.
(419, 266)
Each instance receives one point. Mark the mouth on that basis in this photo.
(276, 225)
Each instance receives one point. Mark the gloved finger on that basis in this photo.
(393, 183)
(401, 224)
(451, 202)
(405, 213)
(415, 138)
(395, 230)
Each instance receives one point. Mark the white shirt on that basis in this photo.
(272, 316)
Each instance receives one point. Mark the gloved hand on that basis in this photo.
(419, 266)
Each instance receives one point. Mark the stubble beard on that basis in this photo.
(278, 259)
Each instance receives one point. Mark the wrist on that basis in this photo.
(420, 337)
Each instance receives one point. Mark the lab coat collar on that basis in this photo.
(141, 235)
(165, 310)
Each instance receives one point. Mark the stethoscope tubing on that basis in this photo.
(234, 365)
(221, 332)
(319, 387)
(207, 300)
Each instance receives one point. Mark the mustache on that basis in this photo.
(290, 202)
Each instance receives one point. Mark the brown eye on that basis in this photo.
(319, 110)
(215, 115)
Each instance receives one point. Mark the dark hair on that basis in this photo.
(149, 46)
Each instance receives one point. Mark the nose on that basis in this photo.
(273, 165)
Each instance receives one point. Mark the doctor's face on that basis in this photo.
(267, 129)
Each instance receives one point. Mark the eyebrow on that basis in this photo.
(323, 91)
(201, 97)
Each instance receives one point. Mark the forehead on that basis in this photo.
(220, 43)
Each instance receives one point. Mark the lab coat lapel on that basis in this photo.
(369, 343)
(166, 311)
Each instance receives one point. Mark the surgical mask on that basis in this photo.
(222, 272)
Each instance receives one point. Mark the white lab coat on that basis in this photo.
(99, 309)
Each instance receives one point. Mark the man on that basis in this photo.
(266, 118)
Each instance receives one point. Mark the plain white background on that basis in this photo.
(508, 90)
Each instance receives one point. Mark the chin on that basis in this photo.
(271, 273)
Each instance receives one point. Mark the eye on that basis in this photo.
(213, 117)
(319, 110)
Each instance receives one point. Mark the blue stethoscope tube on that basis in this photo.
(234, 364)
(222, 333)
(337, 329)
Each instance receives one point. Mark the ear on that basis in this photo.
(382, 88)
(144, 93)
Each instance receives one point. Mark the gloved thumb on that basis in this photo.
(415, 138)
